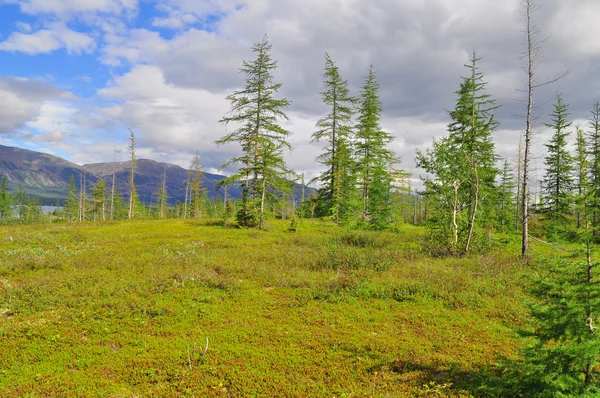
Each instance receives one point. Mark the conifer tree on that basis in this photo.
(99, 200)
(21, 203)
(472, 126)
(506, 198)
(558, 179)
(565, 357)
(133, 198)
(593, 145)
(256, 112)
(72, 202)
(335, 130)
(462, 167)
(6, 200)
(197, 192)
(373, 159)
(162, 195)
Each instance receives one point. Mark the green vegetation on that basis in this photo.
(125, 309)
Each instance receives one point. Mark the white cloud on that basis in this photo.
(57, 36)
(54, 117)
(175, 19)
(23, 27)
(172, 93)
(168, 121)
(22, 100)
(66, 9)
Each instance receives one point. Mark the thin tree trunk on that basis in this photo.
(112, 194)
(530, 85)
(455, 209)
(474, 210)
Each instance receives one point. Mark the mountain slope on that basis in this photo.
(47, 176)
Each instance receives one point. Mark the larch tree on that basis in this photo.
(335, 130)
(506, 198)
(112, 189)
(564, 359)
(256, 112)
(6, 200)
(132, 191)
(472, 126)
(99, 200)
(462, 166)
(162, 195)
(558, 179)
(374, 161)
(72, 201)
(593, 144)
(197, 191)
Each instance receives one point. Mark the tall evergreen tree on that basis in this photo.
(335, 129)
(374, 160)
(256, 112)
(472, 126)
(558, 179)
(593, 145)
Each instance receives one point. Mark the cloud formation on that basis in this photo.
(168, 72)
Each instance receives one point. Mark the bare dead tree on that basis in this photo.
(132, 192)
(112, 191)
(532, 57)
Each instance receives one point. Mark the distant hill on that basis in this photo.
(148, 177)
(47, 177)
(41, 175)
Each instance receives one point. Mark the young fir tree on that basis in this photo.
(120, 209)
(99, 200)
(462, 167)
(335, 130)
(593, 144)
(558, 179)
(6, 200)
(565, 355)
(506, 199)
(256, 112)
(373, 159)
(72, 202)
(21, 203)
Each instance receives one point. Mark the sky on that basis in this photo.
(76, 74)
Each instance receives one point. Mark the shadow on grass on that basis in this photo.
(451, 382)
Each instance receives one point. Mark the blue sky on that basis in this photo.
(75, 74)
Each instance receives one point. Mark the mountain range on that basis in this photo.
(47, 177)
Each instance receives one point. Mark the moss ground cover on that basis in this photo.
(125, 309)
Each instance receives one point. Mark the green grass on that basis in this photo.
(114, 310)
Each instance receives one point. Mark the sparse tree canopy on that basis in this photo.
(256, 112)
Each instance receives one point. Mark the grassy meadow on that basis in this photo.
(125, 309)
